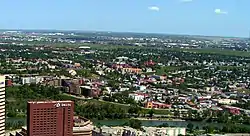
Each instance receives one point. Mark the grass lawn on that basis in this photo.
(108, 47)
(165, 70)
(244, 91)
(203, 50)
(218, 51)
(230, 67)
(95, 46)
(126, 107)
(159, 111)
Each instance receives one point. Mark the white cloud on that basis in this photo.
(154, 8)
(185, 1)
(219, 11)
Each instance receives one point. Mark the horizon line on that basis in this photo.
(132, 32)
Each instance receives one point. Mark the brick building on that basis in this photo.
(73, 86)
(50, 118)
(82, 127)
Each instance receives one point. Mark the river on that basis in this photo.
(147, 123)
(144, 122)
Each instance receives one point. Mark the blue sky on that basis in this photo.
(200, 17)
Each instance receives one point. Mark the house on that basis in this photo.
(142, 87)
(153, 104)
(231, 109)
(204, 97)
(132, 70)
(149, 63)
(227, 101)
(138, 96)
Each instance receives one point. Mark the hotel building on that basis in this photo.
(50, 118)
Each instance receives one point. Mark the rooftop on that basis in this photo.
(88, 127)
(38, 102)
(82, 124)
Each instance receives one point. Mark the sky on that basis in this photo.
(194, 17)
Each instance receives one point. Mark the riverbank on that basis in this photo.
(159, 119)
(154, 123)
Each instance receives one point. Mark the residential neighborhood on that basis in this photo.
(145, 83)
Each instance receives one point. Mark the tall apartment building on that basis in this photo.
(50, 118)
(2, 105)
(82, 127)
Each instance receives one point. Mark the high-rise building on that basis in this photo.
(82, 127)
(2, 105)
(50, 118)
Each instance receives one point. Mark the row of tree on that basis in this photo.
(14, 125)
(17, 97)
(100, 111)
(212, 128)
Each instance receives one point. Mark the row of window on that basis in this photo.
(49, 109)
(44, 134)
(46, 111)
(44, 128)
(47, 119)
(43, 123)
(50, 119)
(49, 134)
(44, 116)
(44, 120)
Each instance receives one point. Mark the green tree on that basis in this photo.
(134, 123)
(163, 125)
(190, 114)
(209, 129)
(151, 113)
(134, 110)
(223, 117)
(177, 113)
(11, 113)
(190, 127)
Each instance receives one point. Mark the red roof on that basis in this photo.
(149, 63)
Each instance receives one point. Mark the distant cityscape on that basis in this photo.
(72, 83)
(129, 39)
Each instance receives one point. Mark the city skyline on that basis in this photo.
(192, 17)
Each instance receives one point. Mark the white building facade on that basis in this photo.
(137, 97)
(2, 105)
(29, 80)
